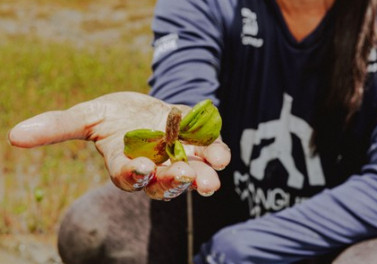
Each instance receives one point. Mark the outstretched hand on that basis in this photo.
(104, 121)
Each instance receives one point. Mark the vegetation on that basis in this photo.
(37, 185)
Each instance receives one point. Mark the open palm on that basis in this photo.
(104, 121)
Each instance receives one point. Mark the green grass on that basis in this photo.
(37, 185)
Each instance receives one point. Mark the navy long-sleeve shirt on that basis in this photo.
(242, 55)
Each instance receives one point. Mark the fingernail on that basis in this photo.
(8, 139)
(143, 170)
(220, 168)
(141, 179)
(206, 194)
(174, 192)
(184, 179)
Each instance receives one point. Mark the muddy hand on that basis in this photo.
(104, 121)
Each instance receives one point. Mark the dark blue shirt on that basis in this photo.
(242, 55)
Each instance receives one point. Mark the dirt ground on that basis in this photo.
(28, 250)
(100, 23)
(103, 23)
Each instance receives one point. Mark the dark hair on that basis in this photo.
(347, 61)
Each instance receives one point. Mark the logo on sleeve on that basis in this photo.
(164, 45)
(250, 29)
(372, 61)
(281, 149)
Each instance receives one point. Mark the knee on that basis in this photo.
(361, 253)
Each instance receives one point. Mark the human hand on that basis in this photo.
(104, 121)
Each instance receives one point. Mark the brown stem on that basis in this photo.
(172, 125)
(190, 228)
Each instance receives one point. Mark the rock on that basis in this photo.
(106, 225)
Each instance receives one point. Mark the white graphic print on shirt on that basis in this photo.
(280, 149)
(250, 29)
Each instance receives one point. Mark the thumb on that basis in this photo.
(55, 126)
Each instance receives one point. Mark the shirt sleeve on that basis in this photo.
(328, 221)
(187, 51)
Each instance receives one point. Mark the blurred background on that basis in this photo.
(54, 54)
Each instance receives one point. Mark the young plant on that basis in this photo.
(200, 127)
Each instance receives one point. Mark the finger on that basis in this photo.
(131, 175)
(55, 126)
(217, 154)
(170, 181)
(207, 181)
(127, 174)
